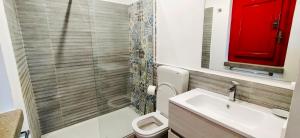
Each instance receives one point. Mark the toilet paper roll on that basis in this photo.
(151, 90)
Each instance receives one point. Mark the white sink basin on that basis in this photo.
(244, 118)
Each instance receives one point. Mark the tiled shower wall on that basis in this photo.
(141, 53)
(26, 85)
(77, 52)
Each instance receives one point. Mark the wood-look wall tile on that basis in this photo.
(22, 66)
(77, 55)
(264, 95)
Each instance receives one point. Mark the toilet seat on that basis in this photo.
(147, 133)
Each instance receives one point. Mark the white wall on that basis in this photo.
(293, 52)
(294, 119)
(6, 101)
(220, 32)
(11, 66)
(179, 32)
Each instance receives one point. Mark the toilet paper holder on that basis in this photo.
(152, 89)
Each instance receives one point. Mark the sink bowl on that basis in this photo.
(244, 118)
(242, 115)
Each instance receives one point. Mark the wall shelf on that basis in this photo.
(270, 69)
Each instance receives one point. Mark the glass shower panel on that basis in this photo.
(111, 55)
(110, 44)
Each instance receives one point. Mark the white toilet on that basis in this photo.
(155, 124)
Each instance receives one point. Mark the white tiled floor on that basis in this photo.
(116, 124)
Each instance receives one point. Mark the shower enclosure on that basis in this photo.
(88, 59)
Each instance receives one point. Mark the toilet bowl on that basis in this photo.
(155, 124)
(152, 125)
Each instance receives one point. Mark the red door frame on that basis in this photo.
(286, 18)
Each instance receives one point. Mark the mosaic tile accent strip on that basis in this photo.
(141, 54)
(22, 66)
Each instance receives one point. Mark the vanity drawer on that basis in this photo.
(190, 125)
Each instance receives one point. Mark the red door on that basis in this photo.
(260, 30)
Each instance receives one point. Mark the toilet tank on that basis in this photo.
(176, 77)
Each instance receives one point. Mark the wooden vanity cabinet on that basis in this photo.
(189, 125)
(171, 134)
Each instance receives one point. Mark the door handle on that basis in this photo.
(276, 24)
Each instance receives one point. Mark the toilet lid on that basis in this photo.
(162, 99)
(154, 131)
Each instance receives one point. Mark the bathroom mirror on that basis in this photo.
(250, 37)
